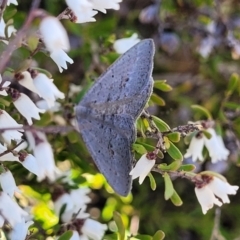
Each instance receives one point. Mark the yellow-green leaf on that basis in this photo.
(119, 222)
(162, 126)
(169, 190)
(187, 168)
(162, 85)
(174, 137)
(139, 148)
(176, 200)
(158, 100)
(233, 82)
(174, 152)
(159, 235)
(32, 42)
(152, 182)
(202, 110)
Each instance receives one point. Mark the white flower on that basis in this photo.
(60, 58)
(122, 45)
(218, 187)
(195, 148)
(20, 230)
(215, 146)
(64, 199)
(27, 81)
(44, 155)
(79, 197)
(93, 229)
(142, 168)
(27, 108)
(56, 43)
(31, 164)
(75, 204)
(44, 105)
(102, 5)
(58, 40)
(6, 121)
(1, 221)
(83, 10)
(217, 150)
(8, 183)
(46, 89)
(10, 210)
(222, 189)
(5, 84)
(12, 1)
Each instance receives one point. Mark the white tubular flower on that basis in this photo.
(93, 229)
(56, 43)
(60, 58)
(42, 104)
(222, 189)
(58, 40)
(46, 89)
(12, 2)
(64, 199)
(102, 5)
(5, 84)
(27, 81)
(195, 148)
(83, 10)
(122, 45)
(27, 108)
(142, 168)
(8, 183)
(20, 230)
(30, 163)
(214, 186)
(6, 121)
(206, 198)
(44, 155)
(79, 197)
(10, 210)
(215, 146)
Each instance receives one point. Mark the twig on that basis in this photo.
(10, 150)
(14, 44)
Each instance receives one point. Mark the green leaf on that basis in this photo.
(169, 190)
(113, 236)
(66, 236)
(143, 237)
(202, 111)
(174, 137)
(233, 82)
(187, 168)
(162, 126)
(207, 134)
(171, 167)
(158, 100)
(176, 200)
(139, 148)
(174, 152)
(162, 85)
(159, 235)
(119, 222)
(152, 182)
(32, 42)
